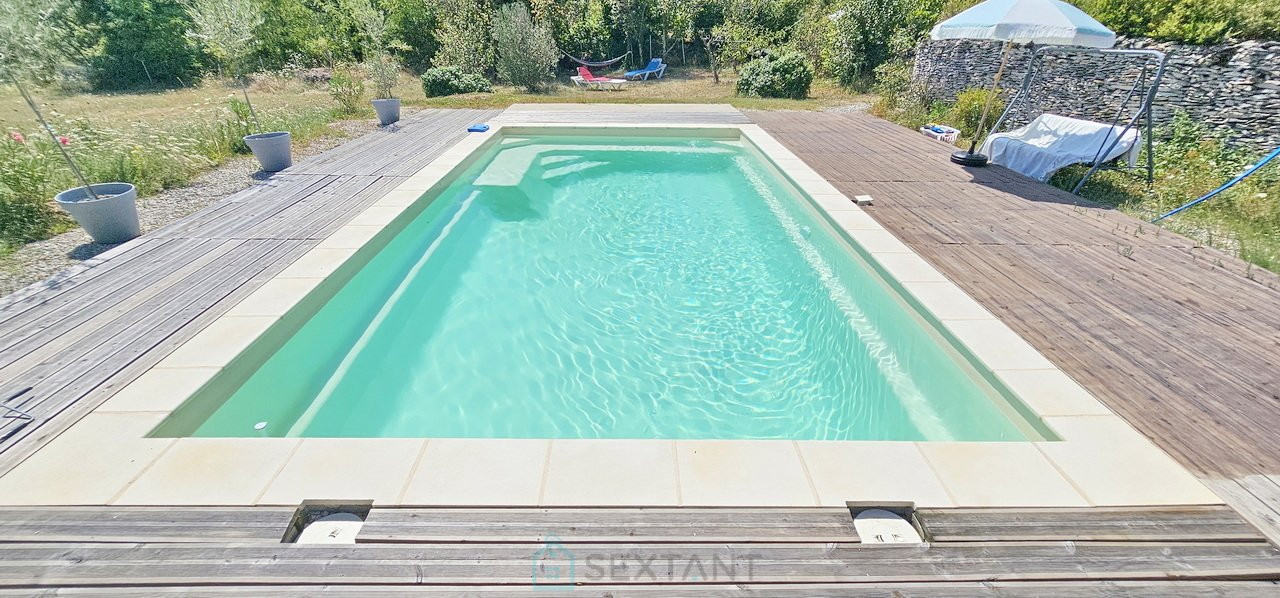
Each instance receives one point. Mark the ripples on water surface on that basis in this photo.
(592, 288)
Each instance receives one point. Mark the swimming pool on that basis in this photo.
(610, 287)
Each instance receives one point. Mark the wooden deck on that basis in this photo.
(648, 552)
(1182, 341)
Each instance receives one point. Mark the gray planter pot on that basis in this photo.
(272, 150)
(388, 111)
(110, 219)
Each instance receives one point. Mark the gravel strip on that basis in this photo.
(855, 107)
(37, 261)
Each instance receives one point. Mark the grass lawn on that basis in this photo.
(164, 109)
(692, 86)
(168, 108)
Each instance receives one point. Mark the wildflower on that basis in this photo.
(64, 140)
(16, 136)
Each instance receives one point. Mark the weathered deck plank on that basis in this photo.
(1254, 499)
(23, 564)
(144, 524)
(1085, 589)
(609, 525)
(1116, 524)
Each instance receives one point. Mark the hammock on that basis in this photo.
(599, 64)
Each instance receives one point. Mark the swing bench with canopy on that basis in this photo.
(1051, 142)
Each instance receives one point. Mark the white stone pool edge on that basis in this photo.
(106, 458)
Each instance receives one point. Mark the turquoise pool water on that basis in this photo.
(593, 287)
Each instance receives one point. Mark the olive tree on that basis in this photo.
(34, 41)
(225, 28)
(526, 51)
(383, 67)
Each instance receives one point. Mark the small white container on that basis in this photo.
(944, 133)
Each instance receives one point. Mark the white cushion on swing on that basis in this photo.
(1051, 142)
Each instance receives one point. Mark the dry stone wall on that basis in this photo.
(1232, 87)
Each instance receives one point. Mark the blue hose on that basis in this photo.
(1228, 185)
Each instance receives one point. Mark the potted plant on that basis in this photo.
(31, 49)
(225, 27)
(385, 70)
(383, 66)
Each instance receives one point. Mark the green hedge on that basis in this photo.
(784, 75)
(450, 80)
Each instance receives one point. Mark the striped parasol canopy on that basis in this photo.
(1046, 22)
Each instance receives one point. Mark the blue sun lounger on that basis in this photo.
(655, 68)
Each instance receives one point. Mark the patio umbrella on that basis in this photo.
(1049, 22)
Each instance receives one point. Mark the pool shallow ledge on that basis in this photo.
(1095, 459)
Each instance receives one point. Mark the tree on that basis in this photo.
(672, 19)
(526, 51)
(381, 64)
(463, 34)
(812, 36)
(865, 31)
(306, 32)
(706, 16)
(413, 22)
(633, 17)
(225, 27)
(142, 44)
(580, 27)
(32, 50)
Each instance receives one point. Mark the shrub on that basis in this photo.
(450, 80)
(967, 111)
(384, 71)
(893, 81)
(347, 90)
(462, 33)
(863, 38)
(1191, 21)
(785, 75)
(143, 44)
(26, 213)
(526, 52)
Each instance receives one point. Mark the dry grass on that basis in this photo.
(175, 106)
(684, 85)
(164, 108)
